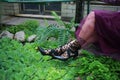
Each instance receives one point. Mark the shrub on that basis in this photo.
(28, 26)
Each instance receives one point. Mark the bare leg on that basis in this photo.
(92, 39)
(87, 32)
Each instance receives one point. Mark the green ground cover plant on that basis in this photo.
(28, 27)
(25, 62)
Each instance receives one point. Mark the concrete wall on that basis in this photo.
(101, 6)
(7, 9)
(10, 8)
(68, 9)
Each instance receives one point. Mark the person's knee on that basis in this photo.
(91, 16)
(91, 20)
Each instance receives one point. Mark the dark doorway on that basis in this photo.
(42, 9)
(53, 7)
(29, 8)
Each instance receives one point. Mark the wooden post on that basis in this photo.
(79, 10)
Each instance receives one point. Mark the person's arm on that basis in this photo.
(114, 2)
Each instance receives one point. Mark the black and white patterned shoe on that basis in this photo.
(73, 46)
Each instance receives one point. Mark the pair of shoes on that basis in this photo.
(63, 52)
(66, 55)
(60, 56)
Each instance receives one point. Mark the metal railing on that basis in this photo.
(35, 1)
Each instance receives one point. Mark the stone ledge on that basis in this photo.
(35, 16)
